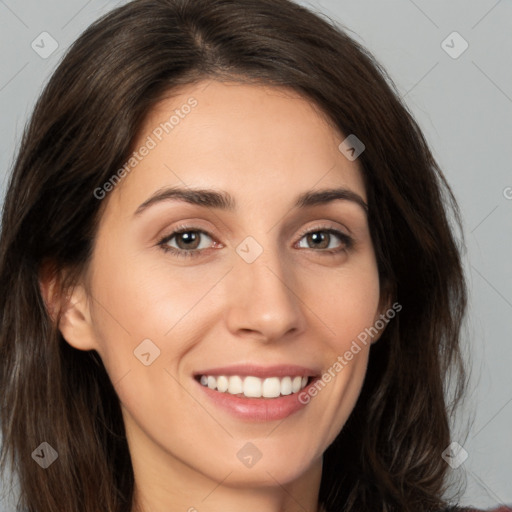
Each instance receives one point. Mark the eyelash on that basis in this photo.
(347, 240)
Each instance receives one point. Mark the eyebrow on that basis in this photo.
(222, 200)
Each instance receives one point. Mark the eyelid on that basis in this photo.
(325, 226)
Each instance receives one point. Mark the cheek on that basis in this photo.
(345, 299)
(134, 301)
(146, 294)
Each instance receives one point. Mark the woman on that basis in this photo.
(229, 278)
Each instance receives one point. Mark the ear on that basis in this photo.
(70, 309)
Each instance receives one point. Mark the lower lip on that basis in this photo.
(257, 409)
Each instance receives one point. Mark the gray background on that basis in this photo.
(464, 106)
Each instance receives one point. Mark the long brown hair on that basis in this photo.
(388, 454)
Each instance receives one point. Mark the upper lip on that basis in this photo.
(243, 370)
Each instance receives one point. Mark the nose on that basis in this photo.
(263, 302)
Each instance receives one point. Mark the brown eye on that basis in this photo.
(323, 238)
(319, 239)
(185, 242)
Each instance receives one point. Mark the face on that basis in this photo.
(199, 305)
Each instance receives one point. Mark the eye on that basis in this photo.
(322, 238)
(187, 239)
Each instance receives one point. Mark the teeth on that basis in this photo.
(271, 387)
(286, 386)
(235, 386)
(222, 383)
(254, 387)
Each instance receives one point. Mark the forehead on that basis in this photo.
(254, 141)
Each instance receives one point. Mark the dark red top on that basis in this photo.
(504, 508)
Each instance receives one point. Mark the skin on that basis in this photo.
(294, 304)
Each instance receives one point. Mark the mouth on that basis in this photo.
(252, 386)
(254, 393)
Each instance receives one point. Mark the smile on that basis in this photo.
(257, 393)
(255, 387)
